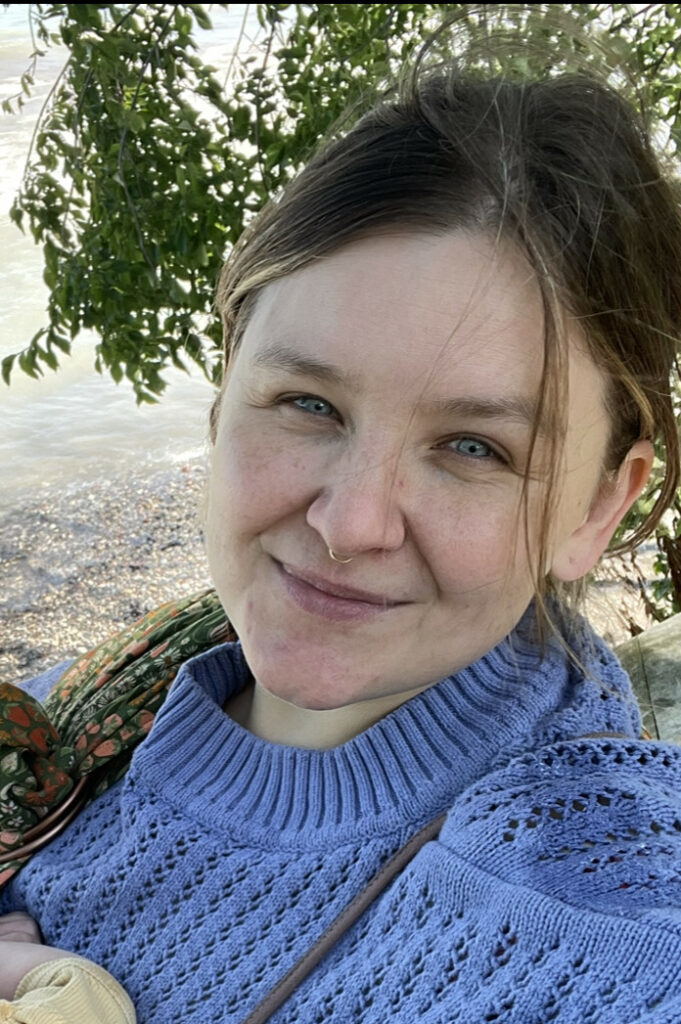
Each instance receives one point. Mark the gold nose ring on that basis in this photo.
(338, 558)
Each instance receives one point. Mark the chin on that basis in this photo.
(321, 695)
(299, 681)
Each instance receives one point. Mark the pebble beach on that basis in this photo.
(78, 564)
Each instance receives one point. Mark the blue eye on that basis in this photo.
(315, 406)
(471, 448)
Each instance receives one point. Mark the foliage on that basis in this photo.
(145, 168)
(145, 165)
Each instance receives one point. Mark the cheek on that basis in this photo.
(255, 480)
(477, 543)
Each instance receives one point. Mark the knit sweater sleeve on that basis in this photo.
(594, 823)
(569, 858)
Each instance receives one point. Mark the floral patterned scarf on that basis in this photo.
(55, 756)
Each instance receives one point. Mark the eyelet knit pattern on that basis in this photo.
(552, 892)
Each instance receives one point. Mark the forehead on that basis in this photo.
(406, 299)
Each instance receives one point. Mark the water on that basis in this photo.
(74, 426)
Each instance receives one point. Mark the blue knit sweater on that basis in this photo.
(552, 893)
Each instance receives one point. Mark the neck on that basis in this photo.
(277, 721)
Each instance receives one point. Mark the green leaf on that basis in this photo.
(49, 357)
(7, 364)
(28, 362)
(202, 19)
(183, 23)
(133, 121)
(16, 215)
(62, 343)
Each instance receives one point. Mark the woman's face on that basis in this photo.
(380, 404)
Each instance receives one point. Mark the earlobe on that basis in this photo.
(579, 553)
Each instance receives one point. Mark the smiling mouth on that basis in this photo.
(333, 600)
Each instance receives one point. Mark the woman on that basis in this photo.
(449, 352)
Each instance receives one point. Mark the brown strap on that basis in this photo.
(54, 822)
(345, 920)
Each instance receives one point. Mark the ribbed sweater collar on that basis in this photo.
(404, 770)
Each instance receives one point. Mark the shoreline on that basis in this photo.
(79, 563)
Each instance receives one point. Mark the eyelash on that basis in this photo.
(494, 455)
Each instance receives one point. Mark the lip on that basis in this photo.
(330, 600)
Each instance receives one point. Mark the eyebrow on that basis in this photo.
(518, 408)
(514, 407)
(281, 357)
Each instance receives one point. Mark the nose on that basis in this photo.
(358, 510)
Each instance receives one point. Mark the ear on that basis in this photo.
(577, 554)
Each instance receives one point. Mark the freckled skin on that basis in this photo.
(426, 502)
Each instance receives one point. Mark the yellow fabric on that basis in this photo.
(68, 991)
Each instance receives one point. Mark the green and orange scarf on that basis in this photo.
(80, 741)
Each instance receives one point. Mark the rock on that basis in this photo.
(653, 661)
